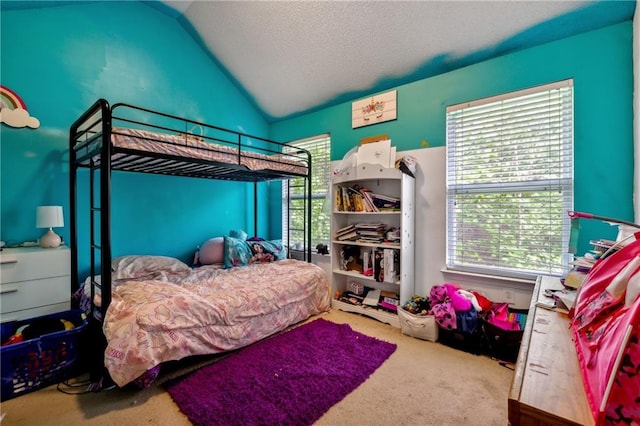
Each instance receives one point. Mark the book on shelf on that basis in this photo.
(366, 194)
(345, 230)
(372, 298)
(378, 265)
(369, 240)
(367, 269)
(347, 206)
(339, 200)
(351, 298)
(385, 198)
(359, 199)
(389, 302)
(391, 265)
(359, 204)
(384, 202)
(389, 294)
(365, 233)
(371, 226)
(350, 236)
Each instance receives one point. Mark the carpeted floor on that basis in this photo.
(421, 383)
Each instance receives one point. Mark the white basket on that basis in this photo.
(420, 326)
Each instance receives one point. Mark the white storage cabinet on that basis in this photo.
(33, 282)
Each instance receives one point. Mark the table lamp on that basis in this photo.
(49, 217)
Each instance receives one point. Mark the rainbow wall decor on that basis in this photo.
(13, 110)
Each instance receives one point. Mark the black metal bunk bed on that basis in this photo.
(211, 152)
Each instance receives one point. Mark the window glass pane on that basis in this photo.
(293, 227)
(510, 182)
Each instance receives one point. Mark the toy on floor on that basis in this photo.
(37, 328)
(418, 305)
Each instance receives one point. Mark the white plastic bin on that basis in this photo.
(420, 326)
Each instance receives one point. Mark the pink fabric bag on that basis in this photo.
(605, 329)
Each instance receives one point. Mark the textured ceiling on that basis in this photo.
(294, 57)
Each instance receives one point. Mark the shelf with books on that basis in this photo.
(373, 243)
(367, 244)
(361, 276)
(379, 314)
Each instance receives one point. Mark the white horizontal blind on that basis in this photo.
(320, 148)
(510, 182)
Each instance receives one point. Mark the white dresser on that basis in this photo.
(34, 282)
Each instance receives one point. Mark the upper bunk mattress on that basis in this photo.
(188, 146)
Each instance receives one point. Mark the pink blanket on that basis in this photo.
(210, 311)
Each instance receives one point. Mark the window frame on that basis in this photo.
(320, 171)
(467, 184)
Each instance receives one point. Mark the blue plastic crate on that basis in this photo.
(41, 361)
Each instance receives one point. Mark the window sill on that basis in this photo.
(299, 254)
(491, 278)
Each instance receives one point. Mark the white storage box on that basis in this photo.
(420, 326)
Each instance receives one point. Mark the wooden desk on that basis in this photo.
(547, 387)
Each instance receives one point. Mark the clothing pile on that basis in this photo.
(470, 321)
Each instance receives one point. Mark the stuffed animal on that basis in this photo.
(322, 249)
(458, 301)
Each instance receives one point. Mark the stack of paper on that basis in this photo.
(372, 298)
(380, 152)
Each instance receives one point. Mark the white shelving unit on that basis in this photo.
(385, 181)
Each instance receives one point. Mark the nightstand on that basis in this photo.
(34, 282)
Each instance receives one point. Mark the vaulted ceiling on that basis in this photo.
(292, 57)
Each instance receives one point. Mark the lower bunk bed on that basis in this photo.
(163, 310)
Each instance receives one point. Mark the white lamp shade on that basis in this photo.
(49, 217)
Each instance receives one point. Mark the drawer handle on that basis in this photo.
(11, 290)
(4, 260)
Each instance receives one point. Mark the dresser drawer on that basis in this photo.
(40, 311)
(28, 264)
(31, 294)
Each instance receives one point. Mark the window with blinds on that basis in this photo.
(510, 182)
(293, 226)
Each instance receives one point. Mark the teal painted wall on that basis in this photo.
(59, 60)
(600, 62)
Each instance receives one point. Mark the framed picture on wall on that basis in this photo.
(374, 109)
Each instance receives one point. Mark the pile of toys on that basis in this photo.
(37, 327)
(418, 305)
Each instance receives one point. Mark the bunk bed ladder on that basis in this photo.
(94, 243)
(105, 210)
(306, 211)
(99, 115)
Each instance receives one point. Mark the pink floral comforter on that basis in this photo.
(209, 311)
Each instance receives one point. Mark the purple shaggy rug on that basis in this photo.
(289, 379)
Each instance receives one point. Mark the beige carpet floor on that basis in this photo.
(422, 383)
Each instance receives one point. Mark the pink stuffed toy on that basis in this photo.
(459, 302)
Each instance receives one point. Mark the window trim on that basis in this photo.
(565, 182)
